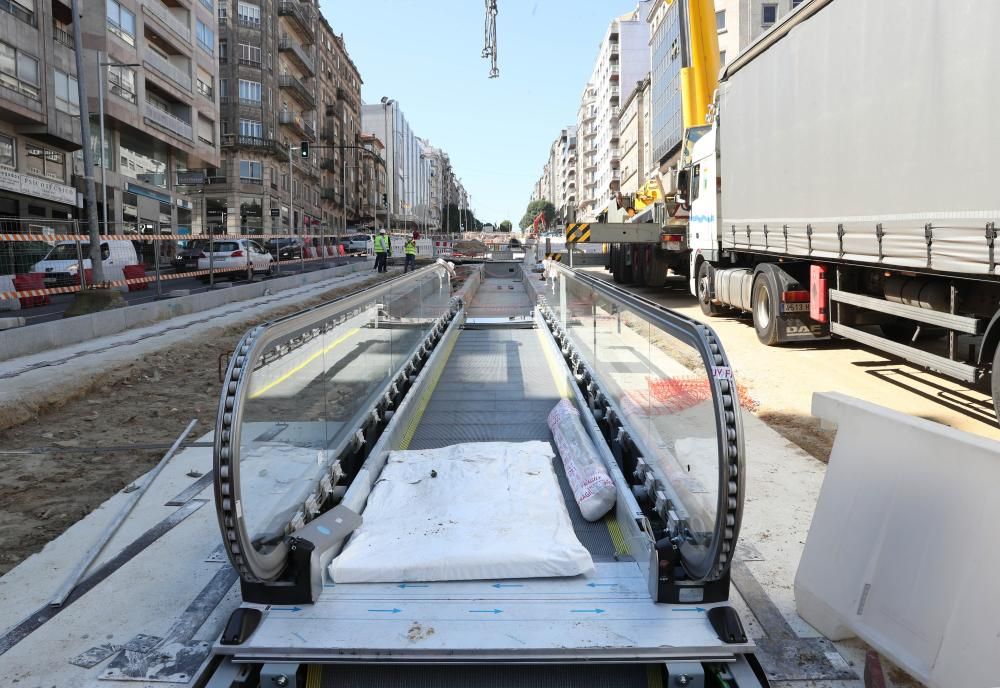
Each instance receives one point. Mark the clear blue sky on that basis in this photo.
(426, 55)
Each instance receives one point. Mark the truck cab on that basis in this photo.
(698, 191)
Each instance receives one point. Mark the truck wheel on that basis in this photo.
(706, 276)
(656, 268)
(765, 311)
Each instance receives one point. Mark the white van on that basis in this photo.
(61, 266)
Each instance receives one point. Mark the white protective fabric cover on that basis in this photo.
(592, 487)
(491, 510)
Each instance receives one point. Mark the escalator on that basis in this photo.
(316, 401)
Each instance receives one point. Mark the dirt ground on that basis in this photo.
(148, 401)
(782, 380)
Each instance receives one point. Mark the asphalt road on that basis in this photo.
(783, 378)
(60, 302)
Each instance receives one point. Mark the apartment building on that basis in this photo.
(622, 61)
(285, 78)
(408, 178)
(372, 182)
(39, 107)
(741, 22)
(635, 145)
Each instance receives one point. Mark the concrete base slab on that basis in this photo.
(174, 293)
(11, 323)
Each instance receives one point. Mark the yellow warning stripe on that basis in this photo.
(421, 405)
(554, 256)
(314, 676)
(654, 676)
(336, 342)
(578, 232)
(621, 547)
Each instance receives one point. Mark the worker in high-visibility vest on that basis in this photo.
(382, 251)
(410, 249)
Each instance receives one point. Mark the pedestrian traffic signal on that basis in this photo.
(385, 199)
(304, 149)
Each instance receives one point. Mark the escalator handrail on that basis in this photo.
(725, 397)
(252, 565)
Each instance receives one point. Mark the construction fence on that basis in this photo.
(43, 259)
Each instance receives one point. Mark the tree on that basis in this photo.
(506, 226)
(540, 206)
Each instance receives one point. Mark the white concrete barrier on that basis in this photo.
(7, 284)
(902, 550)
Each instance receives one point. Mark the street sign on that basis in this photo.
(576, 233)
(191, 178)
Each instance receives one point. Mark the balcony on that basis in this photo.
(292, 120)
(300, 15)
(330, 165)
(298, 90)
(304, 60)
(328, 194)
(329, 134)
(614, 73)
(346, 96)
(310, 130)
(167, 69)
(174, 125)
(255, 143)
(158, 10)
(62, 37)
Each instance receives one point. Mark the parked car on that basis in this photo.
(241, 258)
(61, 266)
(357, 242)
(188, 252)
(285, 248)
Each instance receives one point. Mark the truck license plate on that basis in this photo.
(795, 307)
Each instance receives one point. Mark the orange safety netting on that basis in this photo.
(679, 393)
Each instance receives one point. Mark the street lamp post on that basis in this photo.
(386, 102)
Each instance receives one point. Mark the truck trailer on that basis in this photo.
(847, 184)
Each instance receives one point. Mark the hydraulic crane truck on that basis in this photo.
(848, 184)
(655, 241)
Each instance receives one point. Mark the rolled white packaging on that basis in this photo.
(592, 487)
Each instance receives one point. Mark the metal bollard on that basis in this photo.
(79, 265)
(211, 259)
(156, 265)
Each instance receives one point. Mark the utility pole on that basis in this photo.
(88, 154)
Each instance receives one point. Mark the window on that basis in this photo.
(67, 95)
(18, 71)
(206, 37)
(22, 9)
(252, 170)
(208, 4)
(7, 148)
(250, 90)
(796, 3)
(249, 54)
(722, 58)
(45, 162)
(121, 22)
(695, 182)
(205, 85)
(223, 88)
(252, 128)
(206, 130)
(768, 14)
(223, 51)
(249, 15)
(720, 20)
(223, 12)
(121, 82)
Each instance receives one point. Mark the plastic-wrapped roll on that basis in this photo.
(592, 487)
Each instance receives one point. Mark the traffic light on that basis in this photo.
(385, 199)
(304, 149)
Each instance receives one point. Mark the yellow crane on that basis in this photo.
(699, 80)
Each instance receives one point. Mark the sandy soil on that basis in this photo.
(149, 401)
(783, 379)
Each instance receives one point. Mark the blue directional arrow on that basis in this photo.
(485, 611)
(411, 585)
(387, 611)
(588, 611)
(507, 585)
(286, 609)
(601, 585)
(692, 609)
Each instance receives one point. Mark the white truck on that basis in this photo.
(848, 184)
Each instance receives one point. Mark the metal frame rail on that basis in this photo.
(652, 489)
(263, 344)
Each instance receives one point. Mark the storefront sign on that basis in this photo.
(37, 187)
(191, 178)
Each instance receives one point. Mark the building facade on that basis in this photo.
(39, 107)
(622, 61)
(635, 145)
(408, 176)
(285, 78)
